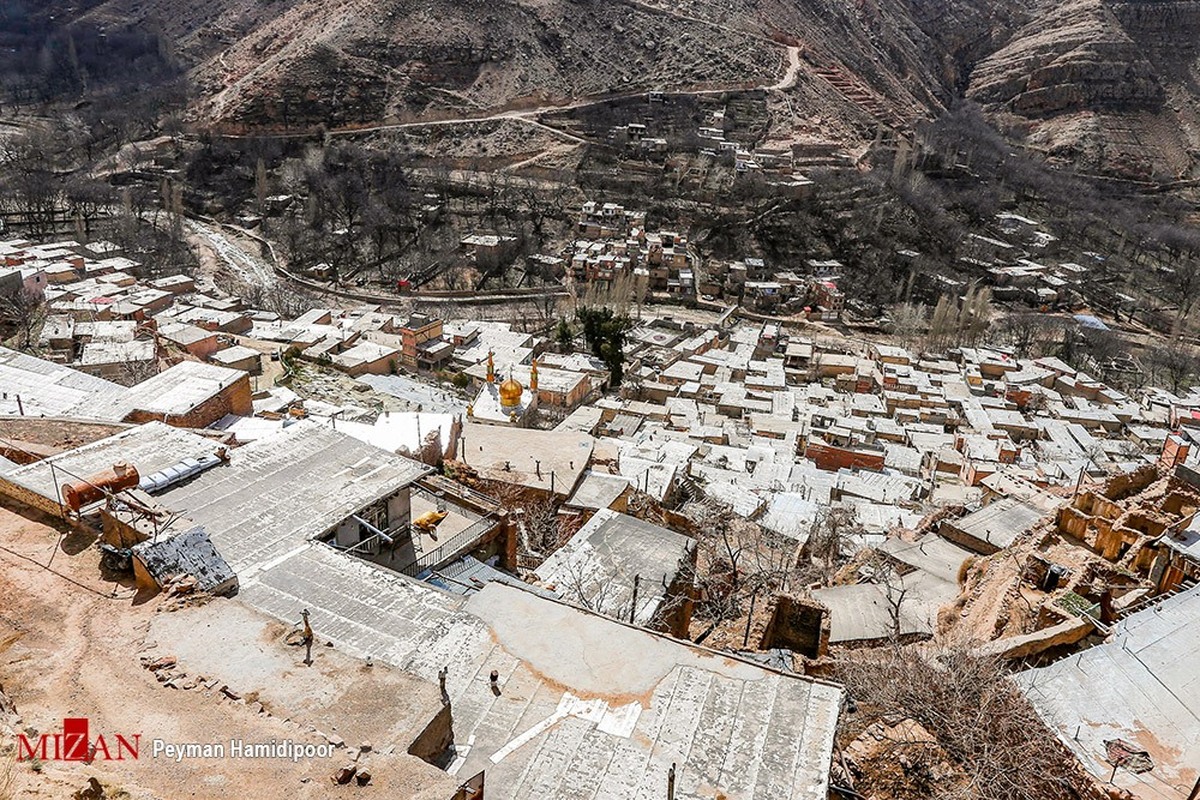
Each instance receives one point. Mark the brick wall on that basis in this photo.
(234, 399)
(834, 458)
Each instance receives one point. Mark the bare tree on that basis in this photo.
(830, 542)
(891, 583)
(1175, 363)
(961, 322)
(1102, 347)
(538, 522)
(130, 370)
(740, 566)
(31, 185)
(25, 311)
(909, 322)
(282, 299)
(1181, 245)
(1033, 335)
(261, 187)
(540, 528)
(616, 596)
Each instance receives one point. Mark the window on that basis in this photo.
(377, 516)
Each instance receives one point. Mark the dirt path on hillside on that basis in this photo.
(792, 75)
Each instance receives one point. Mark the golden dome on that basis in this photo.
(510, 393)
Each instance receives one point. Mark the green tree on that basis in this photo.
(604, 331)
(564, 335)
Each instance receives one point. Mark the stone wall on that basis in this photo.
(1130, 483)
(1013, 647)
(799, 625)
(15, 492)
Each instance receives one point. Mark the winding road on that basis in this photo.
(532, 116)
(793, 71)
(254, 270)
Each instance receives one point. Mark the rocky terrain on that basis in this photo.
(1106, 86)
(363, 61)
(304, 62)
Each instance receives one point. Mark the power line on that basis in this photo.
(52, 464)
(58, 492)
(67, 578)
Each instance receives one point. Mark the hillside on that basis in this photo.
(1107, 86)
(302, 62)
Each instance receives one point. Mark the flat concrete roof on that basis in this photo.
(598, 490)
(365, 352)
(105, 352)
(862, 612)
(235, 354)
(931, 553)
(276, 494)
(596, 569)
(183, 333)
(175, 391)
(1000, 523)
(47, 389)
(516, 455)
(575, 707)
(791, 514)
(1141, 686)
(150, 448)
(583, 419)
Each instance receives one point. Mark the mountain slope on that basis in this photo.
(303, 62)
(1107, 85)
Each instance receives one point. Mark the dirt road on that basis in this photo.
(532, 116)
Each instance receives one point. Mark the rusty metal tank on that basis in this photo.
(119, 477)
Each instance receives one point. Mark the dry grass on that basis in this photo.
(8, 776)
(978, 716)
